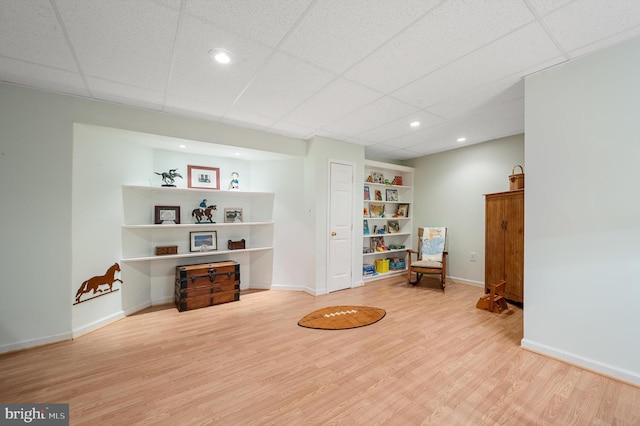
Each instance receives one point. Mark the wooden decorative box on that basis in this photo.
(164, 250)
(206, 284)
(236, 245)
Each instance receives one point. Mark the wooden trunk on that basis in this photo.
(206, 284)
(504, 242)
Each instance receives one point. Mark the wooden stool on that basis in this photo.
(494, 301)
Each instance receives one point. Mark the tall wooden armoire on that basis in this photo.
(504, 242)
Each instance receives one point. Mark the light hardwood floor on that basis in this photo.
(433, 359)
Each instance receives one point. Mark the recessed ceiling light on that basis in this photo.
(414, 124)
(462, 139)
(221, 56)
(237, 153)
(182, 146)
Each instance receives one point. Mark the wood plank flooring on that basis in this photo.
(433, 360)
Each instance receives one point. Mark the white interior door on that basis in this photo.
(340, 227)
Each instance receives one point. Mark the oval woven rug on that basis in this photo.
(342, 317)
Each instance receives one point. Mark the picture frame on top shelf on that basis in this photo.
(392, 195)
(376, 210)
(203, 241)
(232, 215)
(201, 177)
(403, 210)
(166, 215)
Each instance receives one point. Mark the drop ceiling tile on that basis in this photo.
(263, 21)
(280, 86)
(497, 113)
(129, 44)
(496, 93)
(502, 58)
(335, 34)
(400, 127)
(503, 90)
(339, 98)
(450, 31)
(542, 7)
(598, 19)
(379, 112)
(30, 31)
(502, 127)
(121, 93)
(197, 77)
(606, 42)
(54, 80)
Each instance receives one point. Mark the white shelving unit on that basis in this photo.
(392, 197)
(140, 236)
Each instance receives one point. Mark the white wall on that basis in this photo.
(582, 209)
(316, 192)
(36, 163)
(449, 189)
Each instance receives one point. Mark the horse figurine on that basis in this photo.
(169, 177)
(93, 284)
(201, 213)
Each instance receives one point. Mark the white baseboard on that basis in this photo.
(467, 282)
(96, 324)
(27, 344)
(162, 300)
(598, 367)
(137, 308)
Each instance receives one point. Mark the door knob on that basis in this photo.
(333, 234)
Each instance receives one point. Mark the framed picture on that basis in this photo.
(378, 195)
(376, 210)
(167, 214)
(393, 226)
(397, 180)
(232, 215)
(392, 195)
(203, 177)
(203, 241)
(403, 210)
(367, 196)
(365, 227)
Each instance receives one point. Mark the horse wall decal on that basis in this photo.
(201, 213)
(93, 284)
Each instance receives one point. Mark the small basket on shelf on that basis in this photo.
(516, 180)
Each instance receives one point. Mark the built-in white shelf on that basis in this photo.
(194, 254)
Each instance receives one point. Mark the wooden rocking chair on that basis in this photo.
(431, 255)
(494, 301)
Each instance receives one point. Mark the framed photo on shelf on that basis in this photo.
(203, 241)
(376, 210)
(378, 195)
(397, 180)
(365, 227)
(393, 226)
(203, 177)
(367, 196)
(392, 195)
(232, 215)
(403, 210)
(167, 214)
